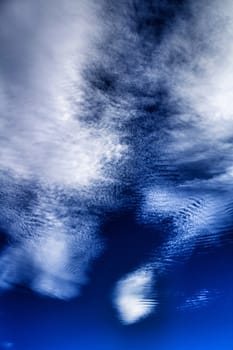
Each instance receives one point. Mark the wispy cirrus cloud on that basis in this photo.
(198, 300)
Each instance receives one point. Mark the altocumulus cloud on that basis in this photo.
(53, 164)
(190, 180)
(94, 95)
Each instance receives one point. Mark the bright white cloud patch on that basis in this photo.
(201, 88)
(54, 164)
(41, 104)
(132, 297)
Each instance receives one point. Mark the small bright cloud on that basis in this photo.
(132, 296)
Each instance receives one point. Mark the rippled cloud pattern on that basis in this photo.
(107, 106)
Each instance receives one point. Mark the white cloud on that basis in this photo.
(41, 133)
(47, 147)
(196, 63)
(132, 296)
(51, 256)
(45, 141)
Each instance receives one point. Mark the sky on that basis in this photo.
(116, 174)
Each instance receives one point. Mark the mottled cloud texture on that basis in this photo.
(187, 161)
(96, 98)
(57, 171)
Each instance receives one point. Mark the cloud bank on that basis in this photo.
(55, 175)
(98, 97)
(185, 156)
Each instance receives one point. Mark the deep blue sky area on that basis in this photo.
(29, 321)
